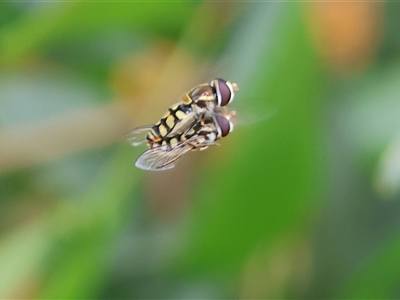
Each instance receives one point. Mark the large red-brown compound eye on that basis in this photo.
(225, 126)
(224, 91)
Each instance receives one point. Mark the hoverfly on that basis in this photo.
(196, 122)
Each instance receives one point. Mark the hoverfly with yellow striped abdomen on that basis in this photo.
(198, 121)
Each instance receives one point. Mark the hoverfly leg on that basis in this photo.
(171, 161)
(206, 145)
(200, 146)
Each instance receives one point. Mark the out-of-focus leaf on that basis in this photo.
(368, 110)
(58, 23)
(84, 235)
(8, 12)
(22, 253)
(387, 177)
(378, 276)
(271, 179)
(68, 251)
(367, 118)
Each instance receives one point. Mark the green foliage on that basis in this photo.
(290, 206)
(250, 200)
(60, 23)
(378, 276)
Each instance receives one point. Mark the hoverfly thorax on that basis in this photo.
(203, 96)
(217, 93)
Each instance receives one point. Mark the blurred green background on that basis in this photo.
(301, 200)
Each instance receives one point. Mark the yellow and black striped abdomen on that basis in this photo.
(167, 143)
(163, 130)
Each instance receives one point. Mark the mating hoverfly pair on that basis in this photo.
(198, 121)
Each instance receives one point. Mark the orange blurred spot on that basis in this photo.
(347, 34)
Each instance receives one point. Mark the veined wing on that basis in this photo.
(161, 158)
(252, 112)
(137, 136)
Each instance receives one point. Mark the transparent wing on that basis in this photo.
(159, 159)
(252, 112)
(137, 136)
